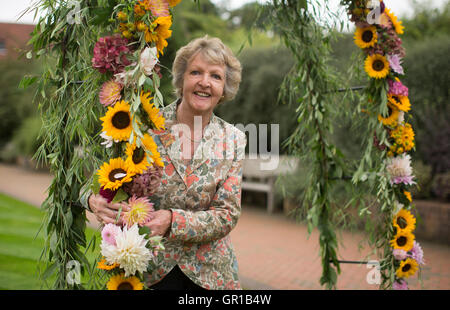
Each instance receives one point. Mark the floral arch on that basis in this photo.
(107, 51)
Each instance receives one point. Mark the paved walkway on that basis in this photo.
(273, 252)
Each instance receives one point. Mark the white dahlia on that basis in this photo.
(130, 251)
(399, 169)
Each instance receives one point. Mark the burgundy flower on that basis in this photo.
(145, 184)
(110, 54)
(107, 194)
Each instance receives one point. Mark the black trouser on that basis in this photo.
(176, 280)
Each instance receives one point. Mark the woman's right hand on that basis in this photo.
(104, 212)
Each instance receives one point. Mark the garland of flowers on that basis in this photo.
(129, 60)
(307, 87)
(382, 46)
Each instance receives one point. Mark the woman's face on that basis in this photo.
(203, 85)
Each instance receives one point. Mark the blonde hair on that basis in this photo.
(215, 52)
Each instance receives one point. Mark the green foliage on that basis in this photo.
(308, 86)
(69, 110)
(15, 104)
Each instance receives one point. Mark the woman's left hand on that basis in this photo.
(160, 223)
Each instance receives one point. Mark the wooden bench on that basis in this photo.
(259, 180)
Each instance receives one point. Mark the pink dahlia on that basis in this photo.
(109, 233)
(110, 93)
(110, 54)
(399, 169)
(397, 88)
(138, 211)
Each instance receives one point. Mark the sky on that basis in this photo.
(11, 9)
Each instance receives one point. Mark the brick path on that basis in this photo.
(273, 252)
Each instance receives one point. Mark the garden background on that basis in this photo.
(265, 63)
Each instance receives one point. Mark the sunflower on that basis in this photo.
(404, 221)
(398, 27)
(150, 145)
(117, 121)
(401, 102)
(407, 268)
(159, 32)
(376, 66)
(103, 265)
(366, 37)
(392, 118)
(152, 112)
(119, 282)
(113, 174)
(136, 158)
(403, 240)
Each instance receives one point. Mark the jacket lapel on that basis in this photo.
(171, 142)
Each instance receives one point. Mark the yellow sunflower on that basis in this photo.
(152, 112)
(104, 265)
(403, 240)
(159, 32)
(407, 268)
(392, 118)
(395, 23)
(366, 37)
(113, 174)
(119, 282)
(136, 158)
(150, 145)
(404, 221)
(117, 121)
(401, 102)
(376, 66)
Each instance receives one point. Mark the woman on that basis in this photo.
(199, 200)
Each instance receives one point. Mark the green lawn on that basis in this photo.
(20, 247)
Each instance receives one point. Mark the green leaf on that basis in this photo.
(120, 196)
(95, 184)
(27, 81)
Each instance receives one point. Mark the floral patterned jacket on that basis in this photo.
(205, 199)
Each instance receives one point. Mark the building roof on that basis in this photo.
(13, 38)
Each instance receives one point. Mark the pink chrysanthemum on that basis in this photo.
(109, 233)
(110, 54)
(397, 88)
(400, 285)
(399, 254)
(395, 63)
(399, 169)
(138, 211)
(157, 7)
(110, 93)
(417, 253)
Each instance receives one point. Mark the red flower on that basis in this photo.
(110, 54)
